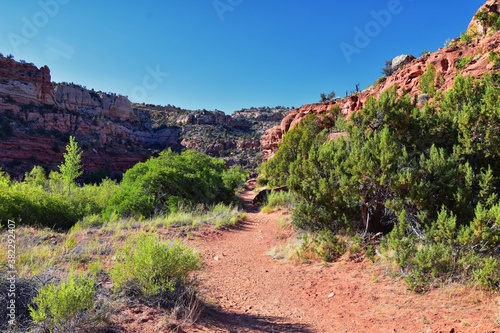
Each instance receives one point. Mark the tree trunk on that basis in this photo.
(372, 219)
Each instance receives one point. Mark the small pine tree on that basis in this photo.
(71, 168)
(331, 96)
(388, 70)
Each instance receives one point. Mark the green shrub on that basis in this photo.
(192, 177)
(488, 19)
(235, 177)
(463, 62)
(370, 253)
(224, 216)
(431, 264)
(487, 275)
(356, 244)
(262, 181)
(494, 57)
(33, 206)
(90, 221)
(427, 84)
(147, 266)
(39, 201)
(324, 245)
(400, 243)
(295, 144)
(446, 253)
(380, 80)
(67, 307)
(388, 70)
(465, 38)
(431, 175)
(179, 218)
(278, 199)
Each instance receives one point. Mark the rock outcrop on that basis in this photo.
(478, 26)
(446, 62)
(400, 61)
(76, 98)
(25, 82)
(114, 133)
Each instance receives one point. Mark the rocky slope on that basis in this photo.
(37, 117)
(467, 55)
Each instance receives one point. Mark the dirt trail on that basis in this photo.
(253, 293)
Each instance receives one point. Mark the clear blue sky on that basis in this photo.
(224, 54)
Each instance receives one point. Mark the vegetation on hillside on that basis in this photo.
(158, 186)
(429, 178)
(113, 233)
(488, 19)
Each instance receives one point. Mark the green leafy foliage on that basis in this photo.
(278, 199)
(432, 177)
(380, 80)
(427, 82)
(235, 177)
(148, 266)
(295, 145)
(463, 62)
(328, 247)
(488, 19)
(466, 37)
(494, 57)
(388, 70)
(65, 307)
(39, 201)
(71, 168)
(161, 183)
(223, 216)
(323, 245)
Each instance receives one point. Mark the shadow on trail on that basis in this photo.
(214, 318)
(250, 208)
(240, 226)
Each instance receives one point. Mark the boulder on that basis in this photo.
(401, 60)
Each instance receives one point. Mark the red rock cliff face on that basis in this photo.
(37, 117)
(406, 78)
(25, 82)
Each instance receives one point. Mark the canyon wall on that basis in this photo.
(38, 116)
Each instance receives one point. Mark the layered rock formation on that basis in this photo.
(235, 138)
(446, 61)
(37, 117)
(25, 81)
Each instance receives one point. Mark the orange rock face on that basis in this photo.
(406, 79)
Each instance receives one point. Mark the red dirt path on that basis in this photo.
(251, 292)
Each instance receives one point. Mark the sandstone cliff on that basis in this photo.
(37, 117)
(467, 55)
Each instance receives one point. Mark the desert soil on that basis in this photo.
(248, 291)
